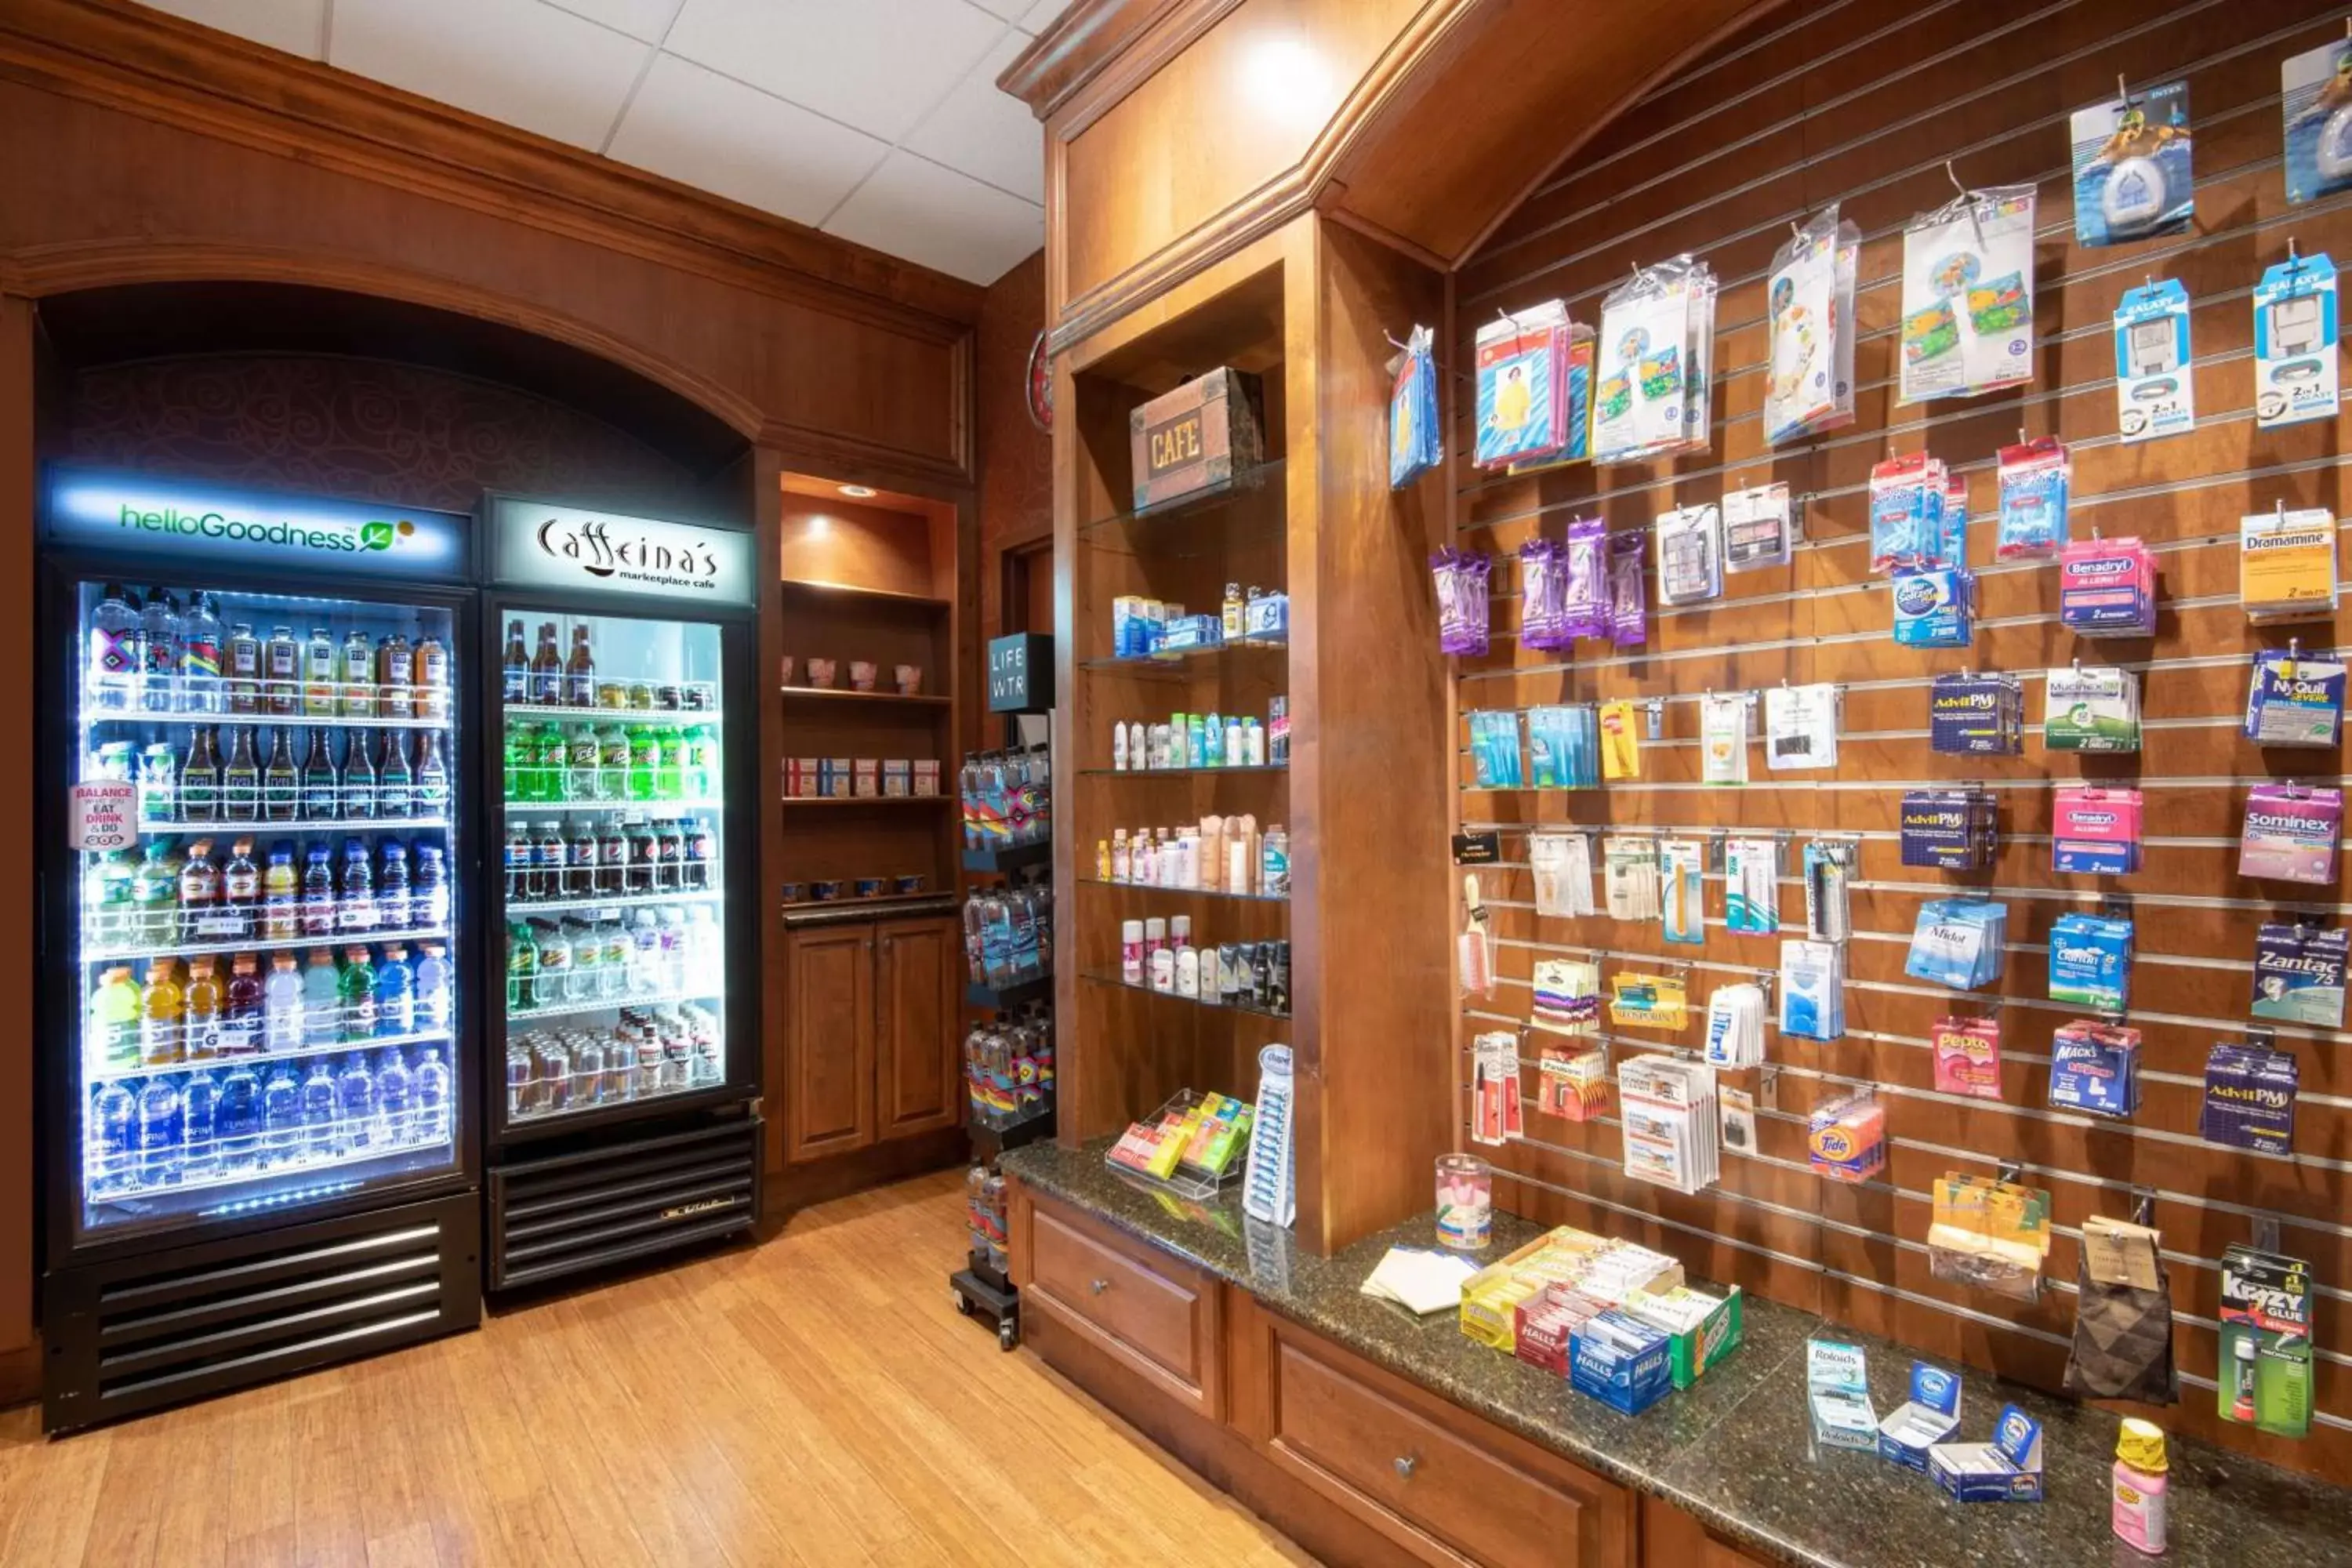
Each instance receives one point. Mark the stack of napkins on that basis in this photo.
(1421, 1279)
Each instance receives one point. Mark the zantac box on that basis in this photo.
(1932, 1414)
(1193, 441)
(2007, 1470)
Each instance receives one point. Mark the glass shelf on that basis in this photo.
(94, 716)
(1116, 982)
(96, 953)
(1173, 665)
(697, 802)
(1187, 892)
(838, 694)
(219, 1064)
(613, 1004)
(278, 1170)
(524, 908)
(1250, 509)
(294, 827)
(539, 711)
(1183, 773)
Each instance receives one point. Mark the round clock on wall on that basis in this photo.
(1041, 384)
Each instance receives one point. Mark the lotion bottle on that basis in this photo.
(2139, 1486)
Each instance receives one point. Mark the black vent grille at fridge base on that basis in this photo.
(622, 1201)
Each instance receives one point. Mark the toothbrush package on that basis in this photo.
(2094, 1067)
(2299, 974)
(1564, 747)
(2095, 831)
(2290, 833)
(1967, 296)
(1494, 756)
(1830, 871)
(1751, 881)
(2107, 588)
(2293, 699)
(1976, 715)
(1959, 943)
(1682, 871)
(2091, 960)
(1812, 990)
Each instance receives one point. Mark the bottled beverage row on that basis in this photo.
(1008, 1069)
(203, 1128)
(587, 960)
(625, 855)
(546, 678)
(207, 1010)
(647, 1053)
(1008, 934)
(1008, 798)
(164, 898)
(553, 763)
(377, 775)
(150, 657)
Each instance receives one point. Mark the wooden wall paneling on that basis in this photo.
(767, 480)
(19, 1351)
(1016, 458)
(1787, 115)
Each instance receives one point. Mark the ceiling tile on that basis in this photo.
(646, 19)
(914, 208)
(1036, 18)
(702, 129)
(988, 134)
(878, 65)
(1009, 9)
(517, 61)
(288, 25)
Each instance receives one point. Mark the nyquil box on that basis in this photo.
(2007, 1470)
(1932, 1415)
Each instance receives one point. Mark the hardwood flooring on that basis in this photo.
(815, 1401)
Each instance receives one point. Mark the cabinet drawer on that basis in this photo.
(1159, 1316)
(1439, 1481)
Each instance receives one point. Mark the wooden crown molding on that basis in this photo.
(1079, 45)
(161, 68)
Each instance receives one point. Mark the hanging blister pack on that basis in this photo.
(1561, 865)
(1584, 607)
(1495, 755)
(1976, 716)
(1543, 595)
(2095, 831)
(2035, 479)
(1751, 884)
(1564, 746)
(1800, 727)
(1628, 593)
(2091, 962)
(1960, 942)
(1682, 871)
(2106, 587)
(1630, 877)
(1645, 1001)
(1967, 296)
(2133, 178)
(1723, 738)
(1967, 1057)
(1690, 554)
(2315, 102)
(1496, 1115)
(2299, 974)
(1735, 1026)
(1830, 871)
(2293, 698)
(2156, 381)
(1650, 389)
(1416, 438)
(1758, 529)
(1568, 995)
(1621, 743)
(2090, 708)
(2286, 564)
(1907, 514)
(1809, 386)
(1812, 990)
(1948, 830)
(1463, 610)
(1573, 1085)
(1933, 606)
(2296, 337)
(2250, 1094)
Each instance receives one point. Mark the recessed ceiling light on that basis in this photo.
(857, 492)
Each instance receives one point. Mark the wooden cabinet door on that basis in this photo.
(829, 1041)
(919, 1059)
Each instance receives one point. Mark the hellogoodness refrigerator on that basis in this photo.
(623, 1069)
(257, 942)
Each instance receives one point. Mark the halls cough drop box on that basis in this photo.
(1193, 441)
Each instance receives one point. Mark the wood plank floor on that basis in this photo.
(813, 1401)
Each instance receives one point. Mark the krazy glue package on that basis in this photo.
(2266, 1370)
(2296, 336)
(2156, 385)
(1932, 1414)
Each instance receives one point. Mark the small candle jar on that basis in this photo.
(1466, 1202)
(1130, 951)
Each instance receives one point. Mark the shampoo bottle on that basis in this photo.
(2139, 1486)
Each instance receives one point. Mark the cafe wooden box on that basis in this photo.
(1193, 441)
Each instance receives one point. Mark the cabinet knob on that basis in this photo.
(1099, 1286)
(1405, 1467)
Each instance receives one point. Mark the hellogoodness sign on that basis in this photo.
(153, 516)
(544, 546)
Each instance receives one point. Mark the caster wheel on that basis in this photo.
(963, 1304)
(1007, 1335)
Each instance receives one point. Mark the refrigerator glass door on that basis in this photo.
(616, 937)
(269, 969)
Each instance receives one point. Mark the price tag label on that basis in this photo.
(102, 814)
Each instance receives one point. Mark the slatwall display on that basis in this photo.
(1863, 102)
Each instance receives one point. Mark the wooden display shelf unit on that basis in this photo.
(1304, 311)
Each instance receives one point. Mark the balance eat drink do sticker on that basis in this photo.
(101, 813)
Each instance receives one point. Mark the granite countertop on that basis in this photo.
(1736, 1449)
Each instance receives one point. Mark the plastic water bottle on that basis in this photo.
(281, 1006)
(396, 993)
(429, 893)
(113, 1138)
(322, 1006)
(355, 1102)
(430, 1085)
(394, 1097)
(319, 1128)
(163, 1125)
(433, 988)
(394, 907)
(236, 1119)
(200, 1103)
(281, 1118)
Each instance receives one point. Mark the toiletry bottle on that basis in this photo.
(1163, 856)
(1236, 743)
(1253, 744)
(1119, 752)
(1235, 611)
(1140, 862)
(1155, 936)
(1130, 951)
(1119, 854)
(1180, 931)
(1102, 860)
(1188, 972)
(1275, 879)
(1212, 742)
(2139, 1486)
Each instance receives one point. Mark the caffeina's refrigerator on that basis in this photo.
(624, 1068)
(258, 937)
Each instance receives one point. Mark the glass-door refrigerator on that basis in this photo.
(623, 1068)
(258, 941)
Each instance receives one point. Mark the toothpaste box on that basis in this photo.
(1622, 1363)
(1700, 1329)
(1837, 1385)
(2007, 1470)
(1932, 1414)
